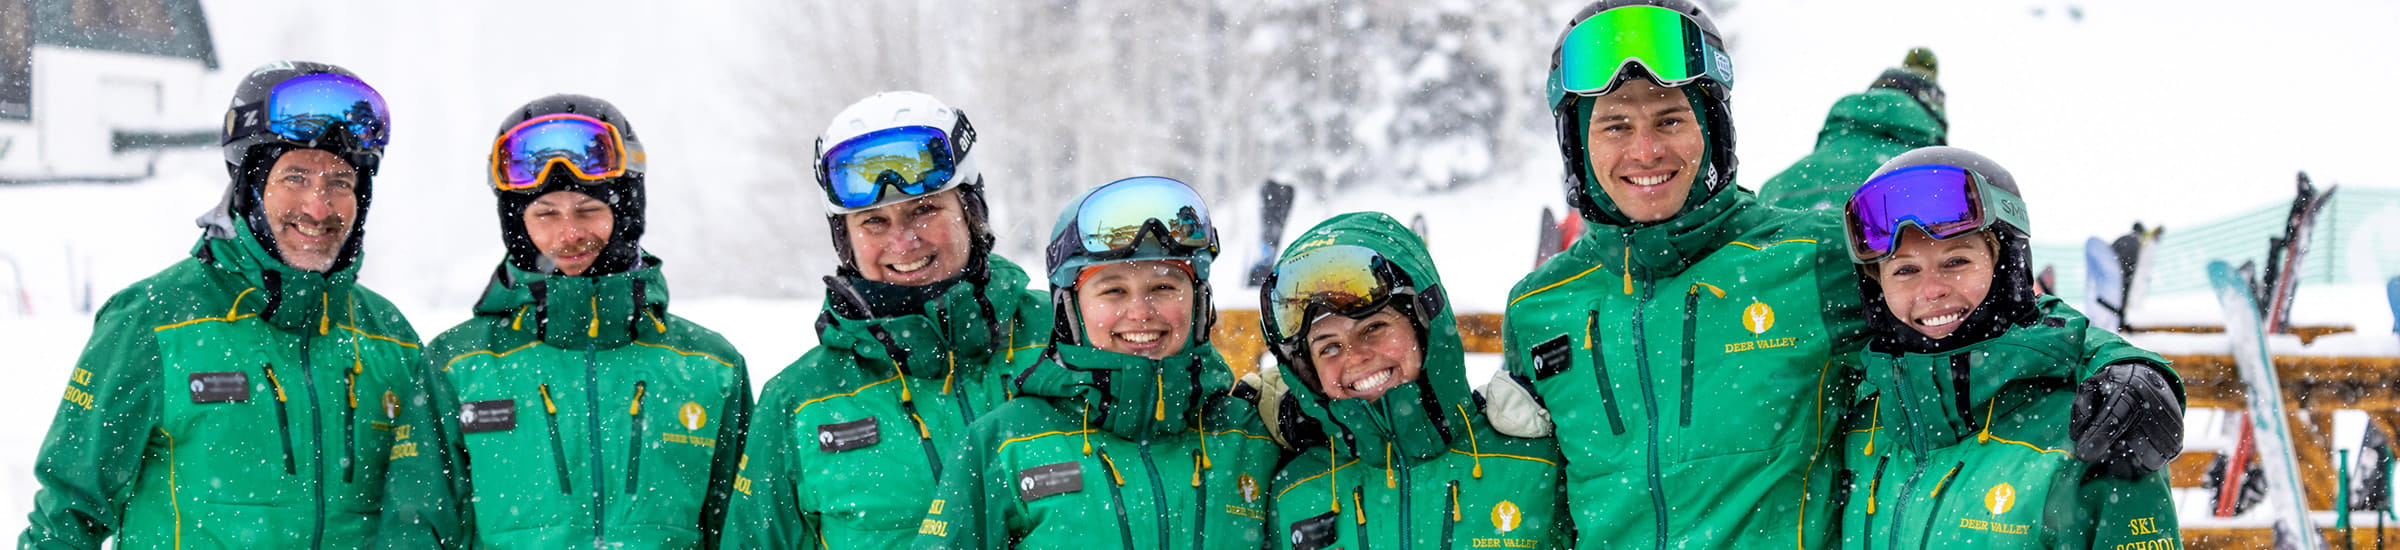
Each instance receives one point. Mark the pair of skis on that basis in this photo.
(2253, 309)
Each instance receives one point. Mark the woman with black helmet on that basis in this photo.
(1960, 434)
(1128, 433)
(572, 411)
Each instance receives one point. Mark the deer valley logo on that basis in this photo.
(391, 405)
(1249, 488)
(692, 415)
(2000, 498)
(1758, 317)
(1506, 517)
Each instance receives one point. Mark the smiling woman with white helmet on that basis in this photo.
(922, 331)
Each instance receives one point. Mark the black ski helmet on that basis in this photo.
(624, 193)
(2011, 300)
(252, 141)
(1711, 96)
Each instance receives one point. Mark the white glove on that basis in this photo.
(1268, 380)
(1512, 408)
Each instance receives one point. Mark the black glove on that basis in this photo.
(2127, 420)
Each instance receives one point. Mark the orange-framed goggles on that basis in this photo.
(523, 156)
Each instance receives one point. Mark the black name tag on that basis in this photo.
(1314, 533)
(487, 416)
(1551, 358)
(1054, 479)
(220, 387)
(834, 438)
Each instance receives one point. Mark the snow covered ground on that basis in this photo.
(2168, 112)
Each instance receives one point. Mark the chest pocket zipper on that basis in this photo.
(350, 427)
(283, 421)
(633, 457)
(1608, 393)
(1450, 520)
(558, 449)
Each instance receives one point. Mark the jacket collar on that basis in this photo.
(1131, 396)
(965, 324)
(1649, 252)
(594, 312)
(289, 298)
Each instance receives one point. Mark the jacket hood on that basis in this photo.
(961, 325)
(1416, 417)
(1130, 396)
(579, 312)
(1882, 114)
(293, 298)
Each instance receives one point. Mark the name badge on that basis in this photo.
(834, 438)
(1316, 532)
(1551, 358)
(1054, 479)
(487, 416)
(220, 387)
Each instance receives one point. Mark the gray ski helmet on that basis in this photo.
(625, 193)
(2011, 299)
(1710, 95)
(260, 126)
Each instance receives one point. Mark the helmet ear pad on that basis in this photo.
(626, 201)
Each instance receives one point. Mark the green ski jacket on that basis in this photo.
(1419, 467)
(1689, 368)
(1108, 450)
(1970, 448)
(572, 412)
(1862, 131)
(218, 404)
(851, 437)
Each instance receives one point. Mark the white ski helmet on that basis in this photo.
(879, 116)
(897, 146)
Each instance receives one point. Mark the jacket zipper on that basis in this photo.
(1405, 502)
(1116, 495)
(1450, 520)
(1940, 489)
(1608, 392)
(1691, 333)
(591, 404)
(1641, 361)
(1158, 492)
(1866, 536)
(1200, 513)
(316, 439)
(633, 457)
(924, 438)
(558, 448)
(1358, 502)
(1916, 445)
(283, 421)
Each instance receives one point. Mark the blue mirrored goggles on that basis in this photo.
(911, 160)
(307, 108)
(1129, 216)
